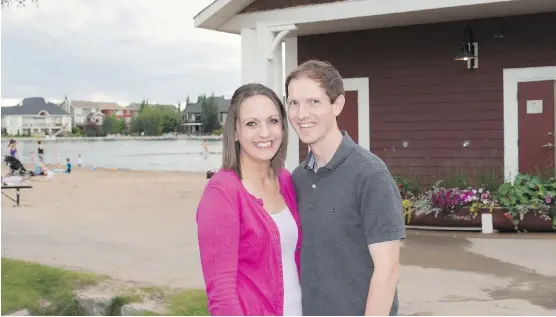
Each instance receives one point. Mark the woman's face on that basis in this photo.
(259, 128)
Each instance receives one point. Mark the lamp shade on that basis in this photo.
(465, 53)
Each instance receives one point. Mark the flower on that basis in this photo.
(547, 199)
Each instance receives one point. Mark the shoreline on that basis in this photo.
(88, 168)
(119, 138)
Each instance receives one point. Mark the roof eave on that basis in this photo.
(219, 12)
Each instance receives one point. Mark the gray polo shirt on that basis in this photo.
(346, 205)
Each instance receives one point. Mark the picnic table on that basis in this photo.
(17, 188)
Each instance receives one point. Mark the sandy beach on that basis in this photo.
(140, 227)
(131, 225)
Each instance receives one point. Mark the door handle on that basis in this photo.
(548, 145)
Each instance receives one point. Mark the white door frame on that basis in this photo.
(513, 76)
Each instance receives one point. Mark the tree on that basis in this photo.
(111, 125)
(91, 128)
(209, 114)
(19, 3)
(155, 120)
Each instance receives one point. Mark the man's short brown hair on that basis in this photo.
(323, 73)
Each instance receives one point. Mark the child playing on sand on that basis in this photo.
(68, 166)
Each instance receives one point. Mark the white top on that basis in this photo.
(288, 241)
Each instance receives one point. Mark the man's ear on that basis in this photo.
(338, 105)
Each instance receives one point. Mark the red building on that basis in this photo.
(409, 100)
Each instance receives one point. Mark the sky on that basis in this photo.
(115, 50)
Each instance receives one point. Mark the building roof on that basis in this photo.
(218, 12)
(96, 104)
(134, 106)
(319, 17)
(222, 103)
(33, 106)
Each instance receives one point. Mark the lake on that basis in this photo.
(167, 155)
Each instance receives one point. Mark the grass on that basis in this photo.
(24, 284)
(182, 302)
(188, 303)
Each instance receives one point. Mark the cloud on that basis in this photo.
(115, 50)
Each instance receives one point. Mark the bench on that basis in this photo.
(17, 188)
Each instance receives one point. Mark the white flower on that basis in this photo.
(480, 190)
(474, 191)
(485, 201)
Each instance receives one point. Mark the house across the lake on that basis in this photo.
(192, 114)
(432, 86)
(35, 116)
(97, 110)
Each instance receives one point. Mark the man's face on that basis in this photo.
(310, 111)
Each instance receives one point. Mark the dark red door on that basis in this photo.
(347, 120)
(536, 126)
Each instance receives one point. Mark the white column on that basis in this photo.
(264, 48)
(277, 80)
(292, 160)
(248, 55)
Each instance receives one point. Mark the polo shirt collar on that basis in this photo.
(341, 154)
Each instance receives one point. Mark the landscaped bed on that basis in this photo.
(43, 290)
(526, 204)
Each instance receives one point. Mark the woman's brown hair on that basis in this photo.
(231, 149)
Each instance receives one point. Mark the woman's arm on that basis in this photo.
(218, 232)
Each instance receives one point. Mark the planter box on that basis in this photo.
(447, 220)
(530, 222)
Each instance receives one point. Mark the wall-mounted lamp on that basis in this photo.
(469, 49)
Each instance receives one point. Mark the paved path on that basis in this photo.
(442, 274)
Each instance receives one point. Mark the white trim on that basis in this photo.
(512, 76)
(415, 12)
(361, 85)
(290, 63)
(218, 12)
(248, 55)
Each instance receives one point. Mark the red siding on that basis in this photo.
(420, 94)
(265, 5)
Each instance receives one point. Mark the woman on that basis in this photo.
(13, 147)
(248, 227)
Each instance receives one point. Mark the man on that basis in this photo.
(350, 206)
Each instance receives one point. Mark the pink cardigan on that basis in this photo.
(240, 247)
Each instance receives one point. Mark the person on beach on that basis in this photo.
(68, 166)
(349, 205)
(248, 226)
(12, 146)
(40, 150)
(79, 160)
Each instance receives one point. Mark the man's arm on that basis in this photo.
(386, 258)
(383, 221)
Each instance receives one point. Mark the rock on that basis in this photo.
(43, 303)
(141, 308)
(94, 303)
(23, 312)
